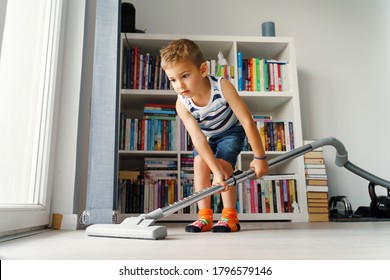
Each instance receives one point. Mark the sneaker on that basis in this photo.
(200, 225)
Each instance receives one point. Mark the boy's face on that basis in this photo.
(186, 77)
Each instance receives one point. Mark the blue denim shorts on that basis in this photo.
(227, 145)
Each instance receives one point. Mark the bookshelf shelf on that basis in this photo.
(282, 105)
(135, 99)
(146, 153)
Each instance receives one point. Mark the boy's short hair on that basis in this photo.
(180, 50)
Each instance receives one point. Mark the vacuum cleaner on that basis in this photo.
(144, 227)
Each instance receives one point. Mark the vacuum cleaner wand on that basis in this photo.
(236, 178)
(143, 226)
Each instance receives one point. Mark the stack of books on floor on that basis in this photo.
(316, 185)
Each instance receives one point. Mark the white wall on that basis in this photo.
(343, 60)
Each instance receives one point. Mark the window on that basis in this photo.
(28, 66)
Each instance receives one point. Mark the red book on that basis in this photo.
(135, 67)
(160, 106)
(271, 77)
(279, 77)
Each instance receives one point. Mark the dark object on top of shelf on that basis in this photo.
(380, 205)
(346, 208)
(268, 29)
(128, 19)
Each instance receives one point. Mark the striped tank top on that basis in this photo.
(217, 116)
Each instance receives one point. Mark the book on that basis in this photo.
(318, 203)
(314, 154)
(316, 188)
(318, 217)
(129, 174)
(315, 209)
(317, 182)
(314, 166)
(315, 171)
(314, 161)
(317, 195)
(239, 71)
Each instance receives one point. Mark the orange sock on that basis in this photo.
(228, 222)
(204, 222)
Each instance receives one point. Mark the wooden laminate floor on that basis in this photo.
(256, 241)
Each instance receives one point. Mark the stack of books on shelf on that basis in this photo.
(157, 187)
(215, 69)
(270, 194)
(187, 185)
(187, 179)
(130, 190)
(259, 74)
(142, 71)
(161, 178)
(154, 132)
(316, 185)
(275, 135)
(185, 139)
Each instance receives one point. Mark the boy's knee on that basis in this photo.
(226, 167)
(199, 162)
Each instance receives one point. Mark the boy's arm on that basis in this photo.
(242, 112)
(200, 142)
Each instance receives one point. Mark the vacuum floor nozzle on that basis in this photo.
(133, 227)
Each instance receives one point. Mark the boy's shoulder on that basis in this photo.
(215, 78)
(215, 82)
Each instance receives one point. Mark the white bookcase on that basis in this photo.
(283, 106)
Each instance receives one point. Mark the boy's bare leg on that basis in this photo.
(229, 220)
(229, 196)
(205, 213)
(201, 180)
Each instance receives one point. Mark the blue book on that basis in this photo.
(132, 134)
(166, 112)
(239, 71)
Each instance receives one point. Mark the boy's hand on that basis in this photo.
(260, 167)
(219, 180)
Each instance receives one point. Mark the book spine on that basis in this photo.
(239, 71)
(136, 59)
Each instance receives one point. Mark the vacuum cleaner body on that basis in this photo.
(380, 205)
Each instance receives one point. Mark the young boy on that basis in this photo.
(217, 120)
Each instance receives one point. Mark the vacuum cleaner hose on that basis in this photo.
(367, 175)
